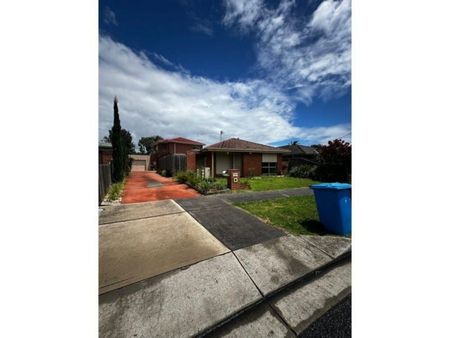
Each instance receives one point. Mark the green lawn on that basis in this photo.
(274, 183)
(296, 214)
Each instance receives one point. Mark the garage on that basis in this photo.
(138, 165)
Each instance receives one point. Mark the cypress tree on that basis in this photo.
(118, 158)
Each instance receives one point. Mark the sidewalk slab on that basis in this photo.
(259, 322)
(134, 250)
(180, 303)
(125, 212)
(277, 262)
(234, 227)
(334, 246)
(302, 306)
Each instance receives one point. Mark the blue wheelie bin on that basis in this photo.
(334, 206)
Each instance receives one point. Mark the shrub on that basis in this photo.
(115, 191)
(182, 176)
(220, 185)
(303, 171)
(204, 186)
(335, 159)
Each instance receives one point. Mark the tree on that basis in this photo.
(127, 139)
(294, 143)
(147, 145)
(335, 161)
(116, 140)
(128, 147)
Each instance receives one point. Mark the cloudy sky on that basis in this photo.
(265, 71)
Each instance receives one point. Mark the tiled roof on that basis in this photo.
(298, 149)
(181, 140)
(235, 144)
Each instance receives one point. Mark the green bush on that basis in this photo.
(182, 176)
(303, 171)
(201, 184)
(204, 186)
(115, 191)
(220, 185)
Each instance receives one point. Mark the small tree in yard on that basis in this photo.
(116, 140)
(147, 145)
(335, 161)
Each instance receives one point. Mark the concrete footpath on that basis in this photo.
(171, 270)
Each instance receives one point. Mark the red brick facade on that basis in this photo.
(173, 148)
(251, 165)
(191, 160)
(105, 156)
(279, 164)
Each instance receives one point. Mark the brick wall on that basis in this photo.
(191, 160)
(279, 164)
(251, 164)
(180, 148)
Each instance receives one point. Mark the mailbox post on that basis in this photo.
(234, 179)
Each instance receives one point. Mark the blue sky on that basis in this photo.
(266, 71)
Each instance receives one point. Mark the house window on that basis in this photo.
(269, 168)
(269, 164)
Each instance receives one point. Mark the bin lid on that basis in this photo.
(333, 186)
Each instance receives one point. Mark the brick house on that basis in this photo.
(252, 159)
(176, 147)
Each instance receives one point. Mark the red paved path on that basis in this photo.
(136, 189)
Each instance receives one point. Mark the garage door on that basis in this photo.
(138, 165)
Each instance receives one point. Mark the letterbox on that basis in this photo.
(234, 179)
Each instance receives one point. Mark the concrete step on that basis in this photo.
(290, 312)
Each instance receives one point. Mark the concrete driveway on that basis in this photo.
(146, 186)
(145, 240)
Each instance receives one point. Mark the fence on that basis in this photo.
(172, 163)
(104, 180)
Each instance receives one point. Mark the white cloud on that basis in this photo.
(310, 57)
(154, 100)
(321, 135)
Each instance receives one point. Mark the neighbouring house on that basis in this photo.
(140, 162)
(298, 154)
(252, 159)
(171, 154)
(105, 151)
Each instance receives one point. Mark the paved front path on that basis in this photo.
(232, 226)
(146, 186)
